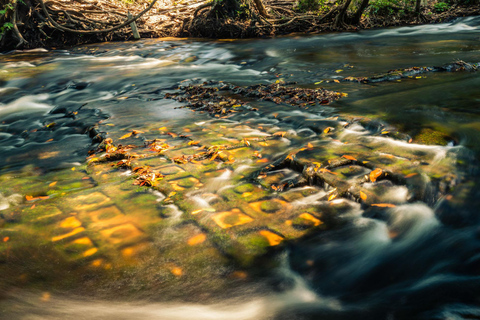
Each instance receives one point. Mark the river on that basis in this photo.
(220, 239)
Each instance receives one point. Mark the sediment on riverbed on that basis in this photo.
(63, 23)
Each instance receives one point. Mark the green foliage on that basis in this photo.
(6, 26)
(312, 5)
(243, 12)
(441, 6)
(391, 7)
(307, 5)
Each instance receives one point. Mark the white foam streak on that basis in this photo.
(26, 105)
(412, 220)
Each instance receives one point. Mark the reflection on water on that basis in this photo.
(400, 248)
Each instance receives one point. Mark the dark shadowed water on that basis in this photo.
(430, 269)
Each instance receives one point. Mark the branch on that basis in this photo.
(202, 6)
(127, 22)
(21, 39)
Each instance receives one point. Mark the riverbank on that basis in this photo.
(168, 18)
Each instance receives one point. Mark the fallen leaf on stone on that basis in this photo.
(375, 174)
(177, 271)
(30, 198)
(349, 157)
(125, 136)
(197, 239)
(383, 205)
(363, 196)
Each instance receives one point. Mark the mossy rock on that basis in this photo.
(244, 188)
(185, 183)
(302, 224)
(431, 137)
(270, 206)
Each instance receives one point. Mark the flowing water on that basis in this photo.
(81, 242)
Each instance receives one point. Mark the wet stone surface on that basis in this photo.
(182, 202)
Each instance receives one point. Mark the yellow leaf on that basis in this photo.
(319, 82)
(197, 211)
(125, 136)
(411, 175)
(332, 196)
(309, 145)
(171, 194)
(336, 81)
(197, 239)
(338, 71)
(375, 174)
(327, 130)
(162, 128)
(363, 195)
(280, 133)
(193, 143)
(52, 184)
(383, 205)
(177, 271)
(349, 157)
(246, 194)
(385, 132)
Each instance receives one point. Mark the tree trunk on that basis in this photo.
(261, 8)
(417, 6)
(358, 14)
(234, 8)
(341, 15)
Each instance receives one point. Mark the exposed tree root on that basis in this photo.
(63, 28)
(37, 23)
